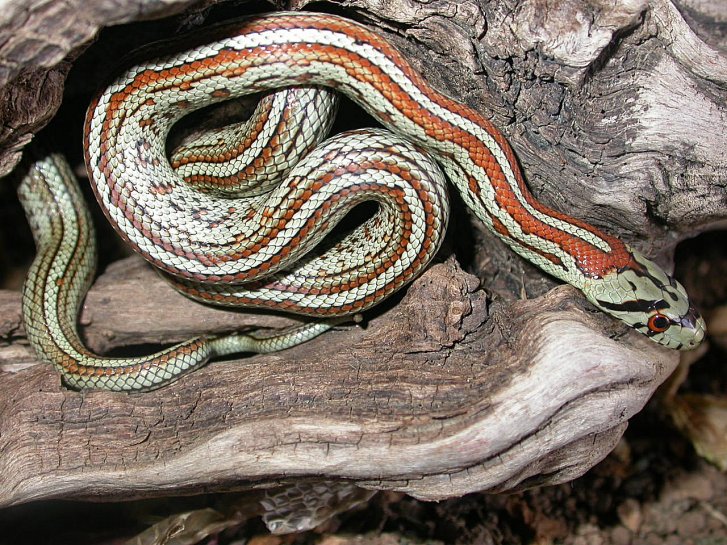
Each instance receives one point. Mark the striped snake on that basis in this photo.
(241, 215)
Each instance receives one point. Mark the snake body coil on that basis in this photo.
(252, 250)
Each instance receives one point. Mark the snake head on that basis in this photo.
(650, 301)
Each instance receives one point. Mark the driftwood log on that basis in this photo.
(490, 379)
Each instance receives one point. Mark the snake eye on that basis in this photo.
(659, 323)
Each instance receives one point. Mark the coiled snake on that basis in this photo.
(252, 250)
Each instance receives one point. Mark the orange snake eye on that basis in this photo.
(659, 323)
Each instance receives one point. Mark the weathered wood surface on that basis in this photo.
(437, 397)
(614, 120)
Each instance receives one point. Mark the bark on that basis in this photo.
(486, 381)
(438, 396)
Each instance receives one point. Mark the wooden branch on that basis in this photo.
(436, 397)
(441, 394)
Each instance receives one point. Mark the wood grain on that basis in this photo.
(433, 398)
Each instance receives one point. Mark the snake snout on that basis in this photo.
(693, 322)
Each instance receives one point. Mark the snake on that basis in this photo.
(245, 215)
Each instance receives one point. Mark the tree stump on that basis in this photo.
(485, 375)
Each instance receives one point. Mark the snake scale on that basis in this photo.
(232, 217)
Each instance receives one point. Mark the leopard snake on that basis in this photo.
(232, 217)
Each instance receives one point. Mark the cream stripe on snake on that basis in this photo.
(250, 252)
